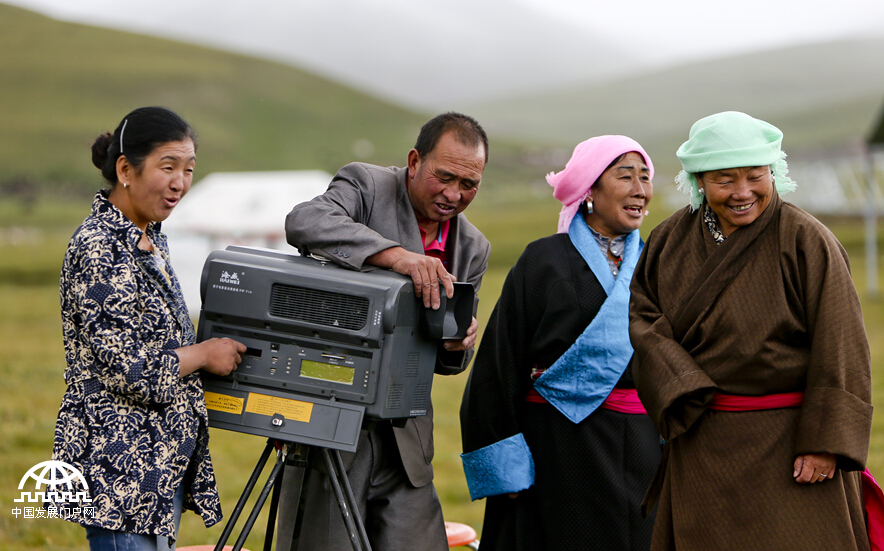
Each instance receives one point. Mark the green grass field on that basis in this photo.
(33, 363)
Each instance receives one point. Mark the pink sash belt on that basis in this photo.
(624, 400)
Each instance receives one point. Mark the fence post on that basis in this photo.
(871, 224)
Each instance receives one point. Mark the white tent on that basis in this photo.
(234, 208)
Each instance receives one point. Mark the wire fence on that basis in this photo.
(851, 186)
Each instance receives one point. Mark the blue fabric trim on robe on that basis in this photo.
(504, 467)
(583, 377)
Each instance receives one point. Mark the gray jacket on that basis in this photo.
(366, 209)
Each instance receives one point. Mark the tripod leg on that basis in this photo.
(262, 497)
(291, 490)
(228, 528)
(346, 512)
(348, 493)
(271, 516)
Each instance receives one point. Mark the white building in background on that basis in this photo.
(234, 208)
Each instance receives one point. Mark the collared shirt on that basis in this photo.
(615, 245)
(437, 247)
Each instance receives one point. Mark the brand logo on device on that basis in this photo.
(228, 278)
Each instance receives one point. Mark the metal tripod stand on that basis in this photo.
(295, 454)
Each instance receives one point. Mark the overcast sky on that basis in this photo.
(447, 53)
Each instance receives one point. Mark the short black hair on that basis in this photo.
(137, 135)
(466, 130)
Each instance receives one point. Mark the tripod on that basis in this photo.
(295, 454)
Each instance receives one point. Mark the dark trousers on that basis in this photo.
(397, 515)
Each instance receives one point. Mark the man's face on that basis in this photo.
(446, 181)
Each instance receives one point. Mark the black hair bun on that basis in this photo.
(100, 150)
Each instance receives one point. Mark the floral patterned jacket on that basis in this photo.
(133, 427)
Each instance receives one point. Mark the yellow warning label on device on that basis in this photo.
(271, 405)
(223, 402)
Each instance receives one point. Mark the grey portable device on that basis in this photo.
(327, 348)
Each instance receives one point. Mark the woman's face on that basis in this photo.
(152, 192)
(621, 196)
(737, 196)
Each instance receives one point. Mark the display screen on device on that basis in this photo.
(328, 372)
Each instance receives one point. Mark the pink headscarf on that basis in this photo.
(587, 163)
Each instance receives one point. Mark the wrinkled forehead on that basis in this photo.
(762, 168)
(631, 160)
(458, 158)
(736, 171)
(183, 149)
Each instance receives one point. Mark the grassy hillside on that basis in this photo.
(821, 95)
(63, 83)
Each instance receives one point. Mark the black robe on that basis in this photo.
(590, 477)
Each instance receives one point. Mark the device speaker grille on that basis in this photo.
(319, 307)
(412, 364)
(407, 315)
(394, 397)
(421, 396)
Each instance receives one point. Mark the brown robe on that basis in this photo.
(773, 309)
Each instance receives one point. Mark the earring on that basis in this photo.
(589, 207)
(647, 212)
(702, 191)
(125, 184)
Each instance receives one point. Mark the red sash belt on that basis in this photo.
(731, 402)
(534, 397)
(624, 400)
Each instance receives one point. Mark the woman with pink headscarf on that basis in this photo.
(553, 432)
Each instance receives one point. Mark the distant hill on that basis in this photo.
(425, 55)
(823, 96)
(61, 84)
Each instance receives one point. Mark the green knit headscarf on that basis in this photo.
(731, 140)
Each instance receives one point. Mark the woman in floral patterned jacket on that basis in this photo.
(133, 418)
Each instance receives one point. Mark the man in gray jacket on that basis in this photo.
(408, 220)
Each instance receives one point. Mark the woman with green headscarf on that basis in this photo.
(750, 357)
